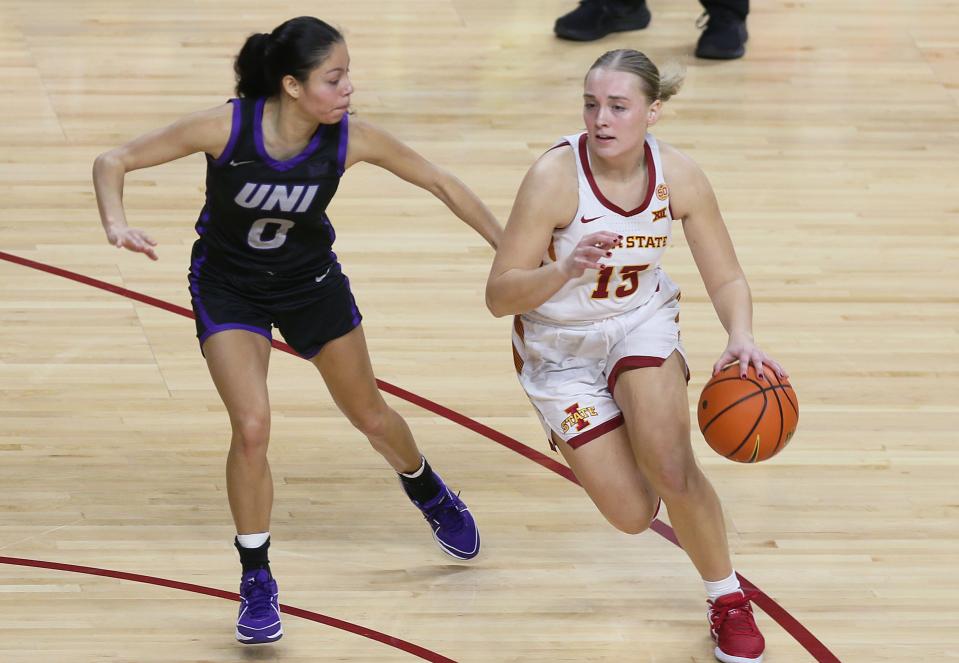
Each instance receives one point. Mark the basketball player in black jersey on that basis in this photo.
(264, 257)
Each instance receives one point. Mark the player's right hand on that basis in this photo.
(132, 239)
(588, 253)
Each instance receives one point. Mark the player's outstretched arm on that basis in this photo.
(206, 131)
(376, 146)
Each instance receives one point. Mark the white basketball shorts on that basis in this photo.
(569, 371)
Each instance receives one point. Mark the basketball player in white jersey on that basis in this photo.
(596, 334)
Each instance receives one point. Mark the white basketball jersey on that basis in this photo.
(631, 275)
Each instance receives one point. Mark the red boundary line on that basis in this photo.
(779, 614)
(397, 643)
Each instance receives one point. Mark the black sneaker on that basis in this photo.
(724, 36)
(594, 19)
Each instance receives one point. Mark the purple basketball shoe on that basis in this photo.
(259, 619)
(452, 523)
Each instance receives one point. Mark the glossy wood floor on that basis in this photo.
(833, 149)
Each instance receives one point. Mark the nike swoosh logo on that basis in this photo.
(320, 278)
(585, 220)
(239, 163)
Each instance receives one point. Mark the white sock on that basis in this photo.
(717, 588)
(413, 475)
(252, 540)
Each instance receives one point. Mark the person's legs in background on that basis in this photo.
(724, 36)
(594, 19)
(723, 22)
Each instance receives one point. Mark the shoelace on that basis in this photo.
(259, 598)
(446, 506)
(737, 615)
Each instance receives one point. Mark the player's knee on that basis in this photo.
(632, 519)
(251, 434)
(372, 422)
(630, 523)
(673, 478)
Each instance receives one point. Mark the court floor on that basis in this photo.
(832, 148)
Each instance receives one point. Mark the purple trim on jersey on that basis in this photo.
(326, 220)
(204, 218)
(650, 175)
(234, 325)
(356, 313)
(195, 267)
(234, 134)
(344, 139)
(261, 149)
(353, 308)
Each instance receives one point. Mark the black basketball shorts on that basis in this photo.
(309, 312)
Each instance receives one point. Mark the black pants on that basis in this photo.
(740, 7)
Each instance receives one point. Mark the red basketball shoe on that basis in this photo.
(734, 629)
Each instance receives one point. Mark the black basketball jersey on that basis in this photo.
(268, 217)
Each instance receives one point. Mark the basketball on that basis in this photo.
(747, 420)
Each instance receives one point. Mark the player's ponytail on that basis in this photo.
(294, 48)
(252, 73)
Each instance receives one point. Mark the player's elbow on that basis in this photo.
(495, 301)
(106, 162)
(494, 306)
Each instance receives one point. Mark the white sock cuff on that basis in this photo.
(413, 475)
(717, 588)
(252, 540)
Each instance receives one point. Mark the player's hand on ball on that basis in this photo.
(743, 349)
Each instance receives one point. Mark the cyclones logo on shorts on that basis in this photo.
(578, 417)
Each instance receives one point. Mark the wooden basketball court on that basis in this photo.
(833, 150)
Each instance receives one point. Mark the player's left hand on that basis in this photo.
(743, 349)
(132, 239)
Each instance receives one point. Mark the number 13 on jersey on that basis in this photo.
(628, 281)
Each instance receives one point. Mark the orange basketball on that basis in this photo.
(747, 420)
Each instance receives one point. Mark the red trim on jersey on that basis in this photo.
(650, 175)
(518, 326)
(517, 359)
(562, 144)
(590, 435)
(627, 363)
(518, 362)
(632, 362)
